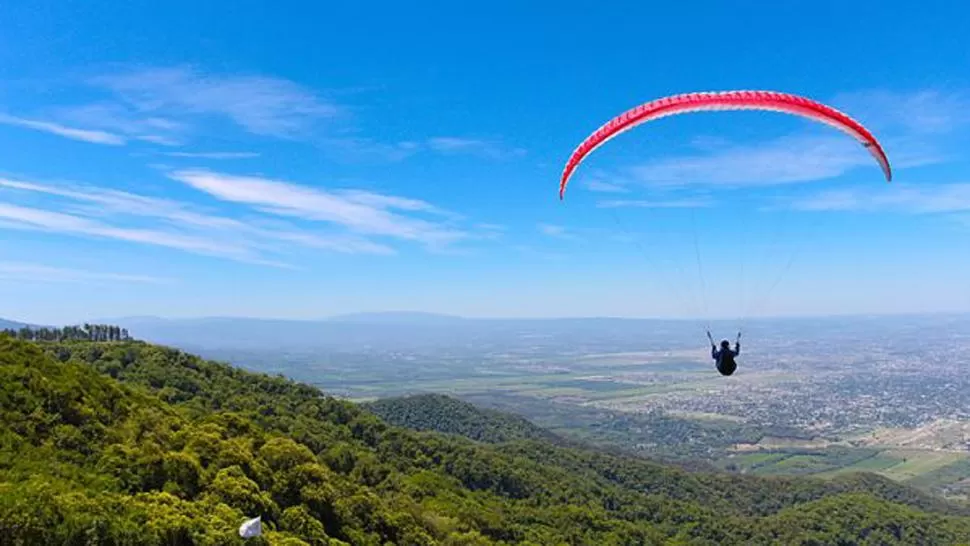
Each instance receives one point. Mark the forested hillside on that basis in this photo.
(442, 413)
(121, 442)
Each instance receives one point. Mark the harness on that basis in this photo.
(725, 362)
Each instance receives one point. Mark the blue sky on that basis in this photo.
(189, 159)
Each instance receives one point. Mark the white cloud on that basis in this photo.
(58, 222)
(709, 142)
(656, 204)
(22, 271)
(605, 187)
(214, 155)
(337, 243)
(450, 144)
(84, 135)
(360, 212)
(785, 160)
(556, 231)
(552, 230)
(168, 105)
(912, 199)
(365, 149)
(453, 145)
(160, 139)
(121, 119)
(389, 201)
(259, 104)
(181, 227)
(922, 112)
(113, 202)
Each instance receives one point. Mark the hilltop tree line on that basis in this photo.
(135, 444)
(440, 413)
(85, 332)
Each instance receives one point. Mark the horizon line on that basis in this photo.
(364, 315)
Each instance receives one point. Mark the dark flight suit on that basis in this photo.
(725, 358)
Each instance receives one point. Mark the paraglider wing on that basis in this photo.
(725, 100)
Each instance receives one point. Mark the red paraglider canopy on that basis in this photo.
(725, 100)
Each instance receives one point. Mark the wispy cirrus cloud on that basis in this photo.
(911, 127)
(900, 198)
(160, 140)
(392, 202)
(259, 104)
(551, 229)
(29, 218)
(556, 231)
(213, 155)
(785, 160)
(33, 272)
(579, 234)
(458, 145)
(366, 149)
(84, 135)
(454, 144)
(686, 203)
(122, 119)
(169, 105)
(927, 111)
(359, 212)
(106, 213)
(597, 185)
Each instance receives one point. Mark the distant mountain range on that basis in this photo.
(394, 331)
(417, 331)
(398, 317)
(14, 325)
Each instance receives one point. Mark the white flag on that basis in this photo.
(251, 528)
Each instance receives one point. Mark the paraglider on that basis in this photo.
(724, 100)
(724, 357)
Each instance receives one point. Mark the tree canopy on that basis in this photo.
(123, 442)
